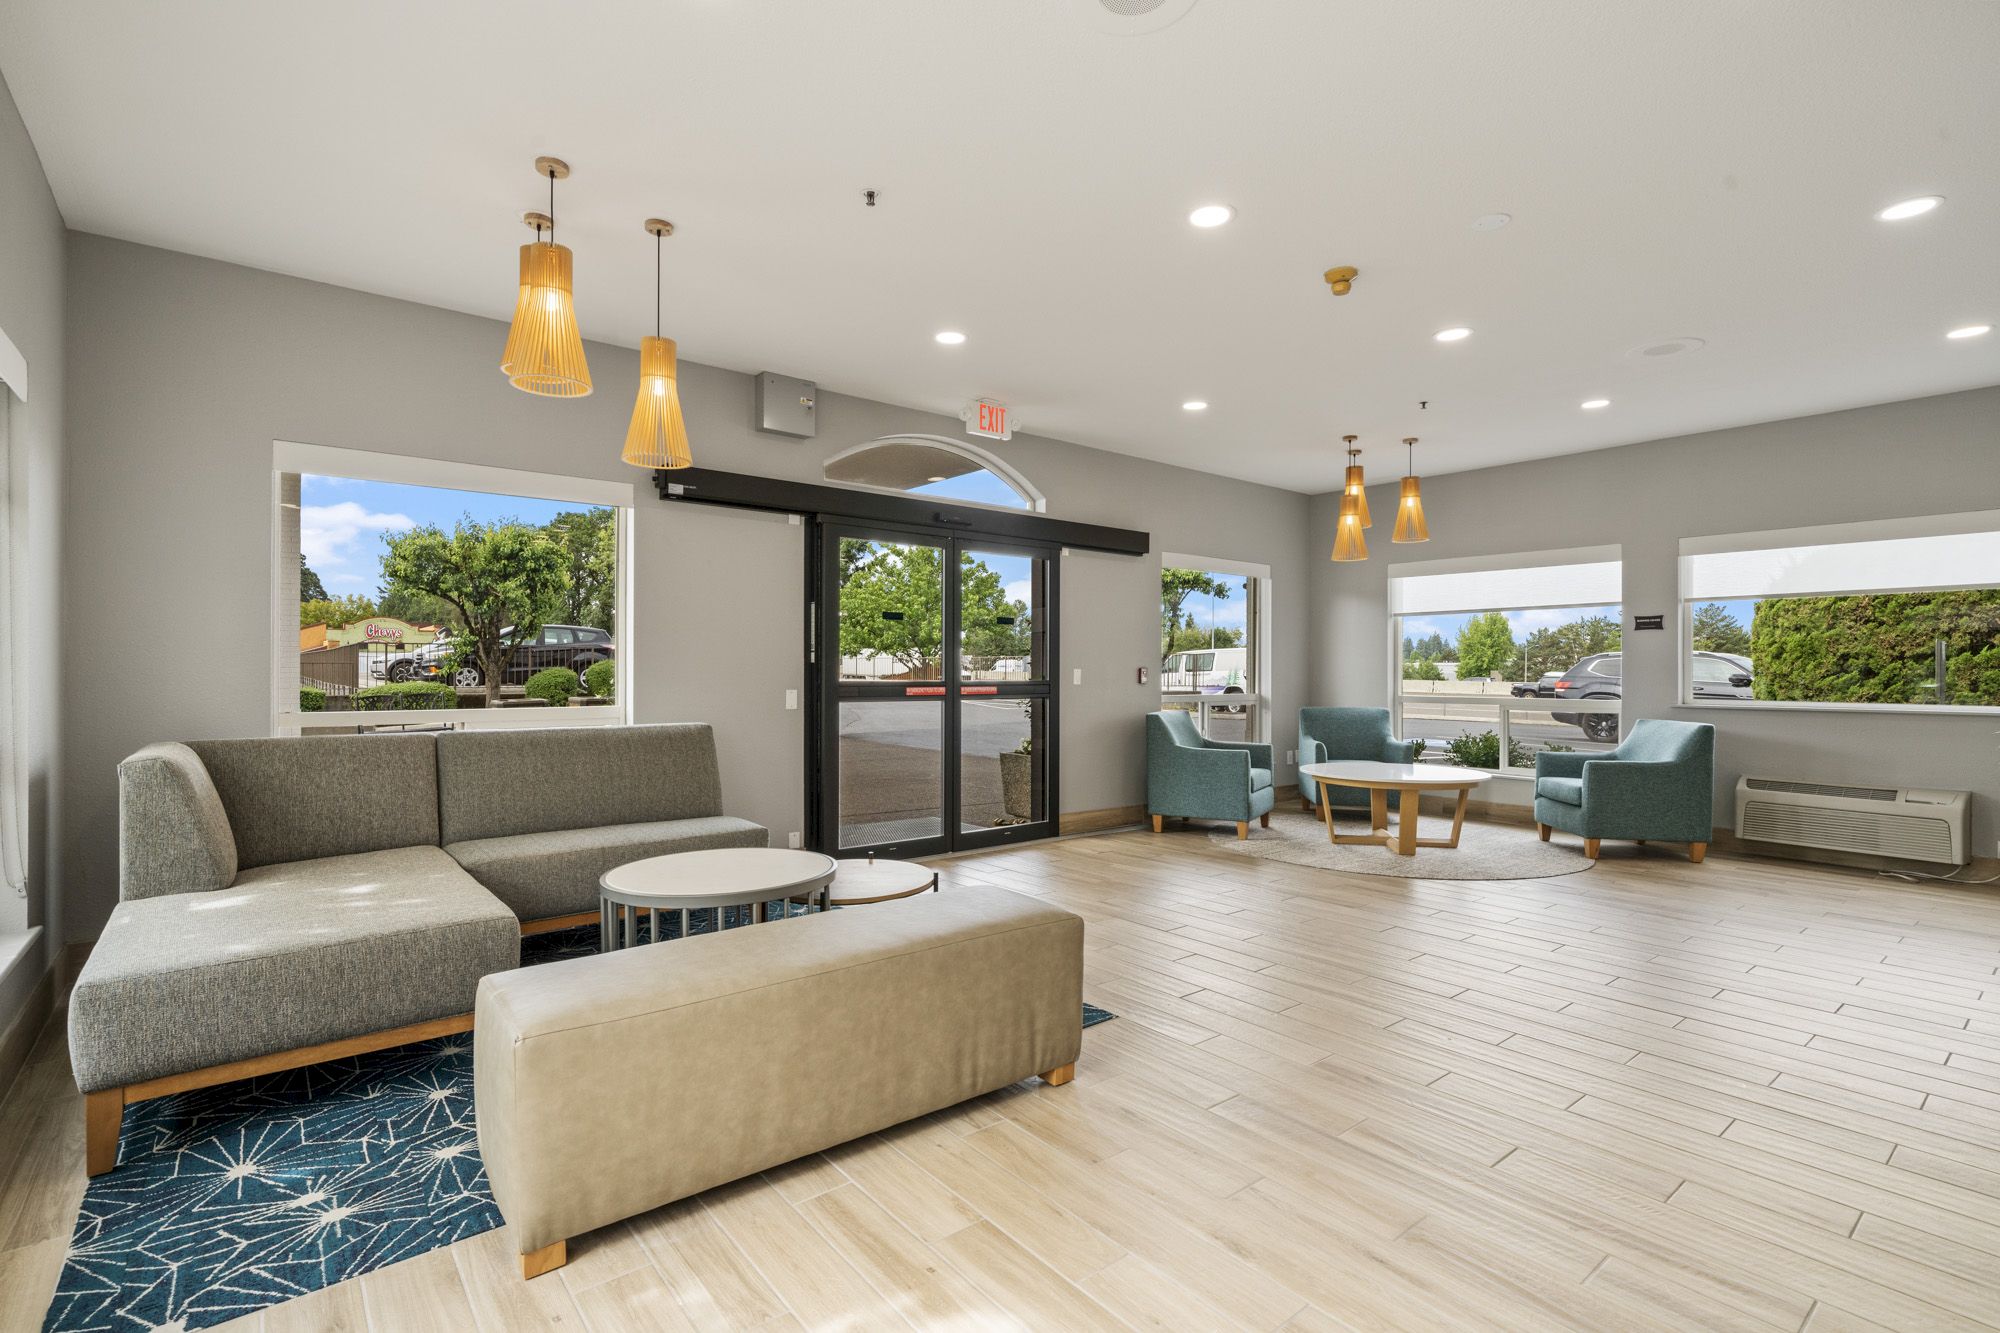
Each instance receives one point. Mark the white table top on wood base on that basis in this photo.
(1379, 779)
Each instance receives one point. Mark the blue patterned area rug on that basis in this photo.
(233, 1198)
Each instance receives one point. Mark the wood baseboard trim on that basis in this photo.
(1100, 821)
(18, 1042)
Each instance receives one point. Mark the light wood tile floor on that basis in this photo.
(1744, 1095)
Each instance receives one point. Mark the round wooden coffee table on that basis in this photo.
(872, 881)
(1378, 780)
(719, 877)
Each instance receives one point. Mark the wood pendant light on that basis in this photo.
(657, 437)
(544, 353)
(1410, 525)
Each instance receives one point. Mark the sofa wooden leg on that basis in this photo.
(545, 1260)
(1696, 851)
(103, 1115)
(1060, 1075)
(1159, 822)
(1242, 828)
(1543, 830)
(1305, 805)
(1590, 846)
(1264, 820)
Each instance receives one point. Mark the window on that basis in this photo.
(1212, 644)
(1496, 660)
(13, 741)
(1897, 614)
(410, 591)
(932, 465)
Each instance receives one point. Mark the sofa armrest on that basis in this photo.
(173, 834)
(1399, 752)
(1563, 763)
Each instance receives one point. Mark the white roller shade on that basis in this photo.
(1891, 564)
(1586, 583)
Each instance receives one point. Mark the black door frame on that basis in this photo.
(826, 691)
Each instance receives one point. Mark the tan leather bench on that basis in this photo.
(608, 1086)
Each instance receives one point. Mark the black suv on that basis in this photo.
(574, 646)
(1601, 676)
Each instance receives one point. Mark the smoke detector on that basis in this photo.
(1132, 17)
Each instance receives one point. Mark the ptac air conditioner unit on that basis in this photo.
(1907, 823)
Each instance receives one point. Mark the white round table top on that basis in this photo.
(1369, 773)
(873, 879)
(678, 877)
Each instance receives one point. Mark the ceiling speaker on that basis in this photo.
(1135, 16)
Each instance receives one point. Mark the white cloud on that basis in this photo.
(1525, 622)
(1022, 591)
(328, 534)
(344, 581)
(1421, 629)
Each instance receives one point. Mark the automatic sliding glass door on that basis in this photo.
(934, 663)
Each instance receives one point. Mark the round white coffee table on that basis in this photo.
(720, 877)
(1378, 780)
(873, 881)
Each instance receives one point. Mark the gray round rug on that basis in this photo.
(1484, 851)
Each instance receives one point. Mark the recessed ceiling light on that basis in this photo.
(1452, 335)
(933, 478)
(1491, 221)
(950, 337)
(1910, 208)
(1197, 405)
(1971, 331)
(1593, 404)
(1211, 215)
(1671, 347)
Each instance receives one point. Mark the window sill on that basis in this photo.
(468, 719)
(1779, 706)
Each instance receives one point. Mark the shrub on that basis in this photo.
(600, 678)
(407, 694)
(1483, 751)
(311, 700)
(1422, 668)
(554, 685)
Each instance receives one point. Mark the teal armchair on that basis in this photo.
(1191, 777)
(1329, 735)
(1657, 786)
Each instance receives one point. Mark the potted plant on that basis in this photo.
(1017, 780)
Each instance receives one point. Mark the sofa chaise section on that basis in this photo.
(273, 914)
(538, 816)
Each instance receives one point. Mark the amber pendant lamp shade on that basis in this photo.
(1410, 525)
(1349, 543)
(657, 437)
(1357, 487)
(544, 353)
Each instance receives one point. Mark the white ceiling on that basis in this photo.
(1704, 168)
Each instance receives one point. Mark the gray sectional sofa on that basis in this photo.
(288, 900)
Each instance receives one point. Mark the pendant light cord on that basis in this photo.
(657, 238)
(552, 205)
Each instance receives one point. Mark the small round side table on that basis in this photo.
(873, 881)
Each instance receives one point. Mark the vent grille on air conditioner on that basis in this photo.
(1910, 837)
(1822, 789)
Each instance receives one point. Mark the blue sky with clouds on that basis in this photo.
(342, 522)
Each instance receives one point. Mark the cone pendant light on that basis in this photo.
(658, 435)
(544, 353)
(1348, 541)
(1356, 487)
(1410, 525)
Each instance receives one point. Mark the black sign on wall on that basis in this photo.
(1649, 622)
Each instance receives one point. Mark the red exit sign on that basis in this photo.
(984, 417)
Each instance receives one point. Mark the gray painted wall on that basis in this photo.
(1928, 456)
(186, 369)
(31, 311)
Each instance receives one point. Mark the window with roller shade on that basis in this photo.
(1899, 613)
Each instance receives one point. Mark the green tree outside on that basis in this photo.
(336, 610)
(1176, 586)
(310, 588)
(892, 603)
(494, 577)
(1485, 645)
(588, 539)
(1879, 648)
(1716, 631)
